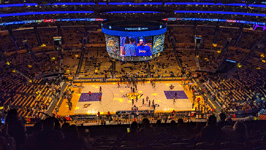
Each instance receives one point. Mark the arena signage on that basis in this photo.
(215, 20)
(49, 20)
(139, 28)
(133, 33)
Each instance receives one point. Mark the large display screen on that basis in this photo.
(112, 44)
(136, 46)
(137, 40)
(130, 48)
(158, 43)
(100, 19)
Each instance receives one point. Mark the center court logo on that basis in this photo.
(86, 105)
(133, 95)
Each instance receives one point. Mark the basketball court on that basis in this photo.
(114, 98)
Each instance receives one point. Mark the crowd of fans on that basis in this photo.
(240, 95)
(97, 63)
(184, 45)
(54, 134)
(244, 94)
(30, 97)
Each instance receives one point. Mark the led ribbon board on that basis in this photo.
(135, 33)
(49, 20)
(131, 12)
(86, 12)
(222, 13)
(214, 20)
(128, 4)
(100, 19)
(45, 13)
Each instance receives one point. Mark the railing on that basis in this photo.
(60, 100)
(129, 117)
(210, 101)
(80, 80)
(55, 101)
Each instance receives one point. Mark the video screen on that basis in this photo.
(127, 48)
(136, 46)
(158, 44)
(112, 44)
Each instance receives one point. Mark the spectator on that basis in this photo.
(222, 121)
(158, 125)
(72, 139)
(236, 133)
(49, 138)
(181, 131)
(6, 141)
(146, 130)
(3, 145)
(241, 132)
(172, 130)
(89, 141)
(15, 128)
(162, 132)
(31, 143)
(132, 135)
(210, 132)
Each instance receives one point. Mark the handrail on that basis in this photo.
(218, 108)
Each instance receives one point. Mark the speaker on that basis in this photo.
(26, 45)
(84, 40)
